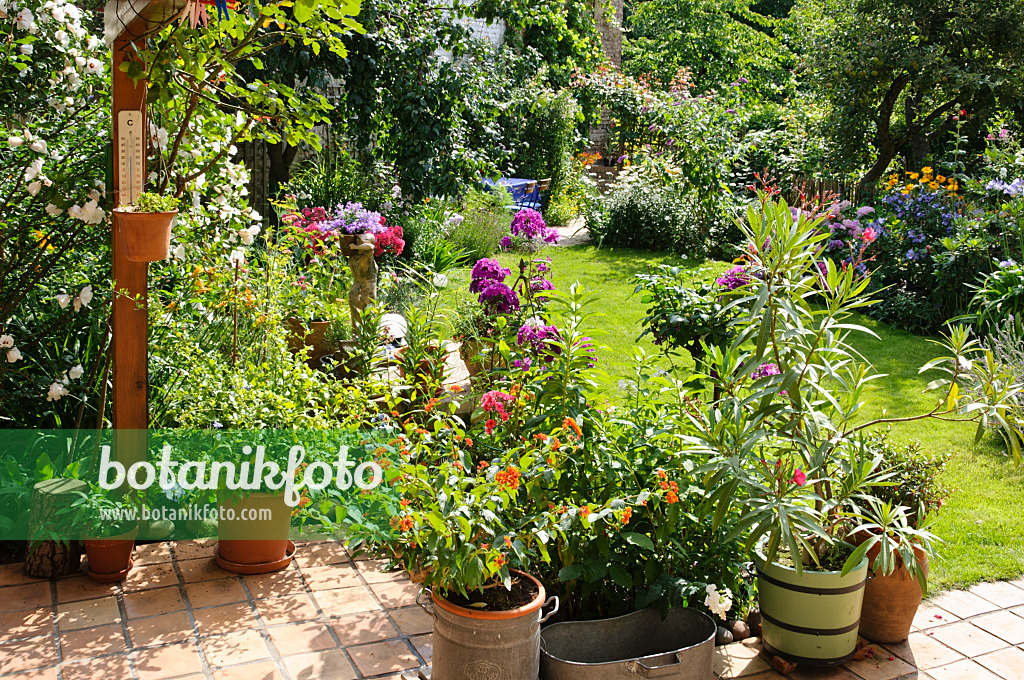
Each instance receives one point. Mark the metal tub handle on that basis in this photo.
(423, 605)
(552, 612)
(659, 671)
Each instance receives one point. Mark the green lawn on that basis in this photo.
(983, 522)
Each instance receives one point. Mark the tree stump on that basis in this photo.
(52, 558)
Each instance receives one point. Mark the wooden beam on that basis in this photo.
(130, 325)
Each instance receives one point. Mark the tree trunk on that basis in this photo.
(281, 156)
(918, 151)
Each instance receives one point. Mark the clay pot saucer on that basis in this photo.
(262, 568)
(110, 578)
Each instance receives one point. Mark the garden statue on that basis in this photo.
(364, 275)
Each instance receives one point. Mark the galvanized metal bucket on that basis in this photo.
(639, 645)
(475, 645)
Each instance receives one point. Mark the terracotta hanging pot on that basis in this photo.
(146, 236)
(110, 558)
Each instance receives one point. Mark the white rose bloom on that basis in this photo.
(26, 49)
(237, 257)
(55, 392)
(6, 341)
(53, 210)
(34, 187)
(440, 281)
(246, 236)
(79, 61)
(13, 355)
(39, 146)
(33, 170)
(76, 372)
(179, 252)
(14, 141)
(58, 14)
(86, 295)
(25, 20)
(62, 37)
(63, 300)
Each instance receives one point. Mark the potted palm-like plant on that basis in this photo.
(145, 226)
(786, 440)
(465, 525)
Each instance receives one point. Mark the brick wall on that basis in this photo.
(611, 43)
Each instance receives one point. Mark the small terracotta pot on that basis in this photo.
(314, 337)
(891, 602)
(111, 555)
(146, 236)
(261, 538)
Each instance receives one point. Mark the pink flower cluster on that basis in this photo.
(495, 401)
(392, 241)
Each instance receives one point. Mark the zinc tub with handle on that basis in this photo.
(810, 619)
(639, 645)
(487, 645)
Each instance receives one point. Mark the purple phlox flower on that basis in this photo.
(485, 272)
(535, 334)
(499, 298)
(506, 243)
(836, 243)
(1004, 133)
(764, 370)
(865, 210)
(530, 224)
(540, 283)
(543, 265)
(523, 364)
(734, 278)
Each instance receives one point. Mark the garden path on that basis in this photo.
(329, 617)
(573, 234)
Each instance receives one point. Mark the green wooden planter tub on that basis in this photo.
(810, 619)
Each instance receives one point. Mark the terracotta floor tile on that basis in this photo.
(261, 670)
(104, 668)
(320, 554)
(737, 659)
(383, 657)
(412, 620)
(170, 661)
(883, 665)
(332, 576)
(396, 594)
(153, 602)
(234, 648)
(29, 623)
(766, 675)
(276, 584)
(999, 593)
(37, 674)
(224, 619)
(376, 571)
(83, 588)
(344, 601)
(363, 628)
(424, 645)
(14, 575)
(98, 641)
(929, 616)
(202, 569)
(215, 593)
(23, 655)
(963, 603)
(159, 630)
(152, 553)
(291, 609)
(962, 670)
(75, 615)
(28, 596)
(301, 638)
(150, 576)
(968, 639)
(1002, 624)
(924, 652)
(1006, 663)
(810, 673)
(195, 549)
(329, 665)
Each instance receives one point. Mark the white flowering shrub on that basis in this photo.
(54, 236)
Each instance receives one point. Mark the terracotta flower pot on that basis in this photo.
(146, 236)
(253, 531)
(312, 335)
(891, 602)
(470, 350)
(110, 558)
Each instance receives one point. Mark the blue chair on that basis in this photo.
(538, 201)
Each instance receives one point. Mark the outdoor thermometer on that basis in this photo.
(131, 155)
